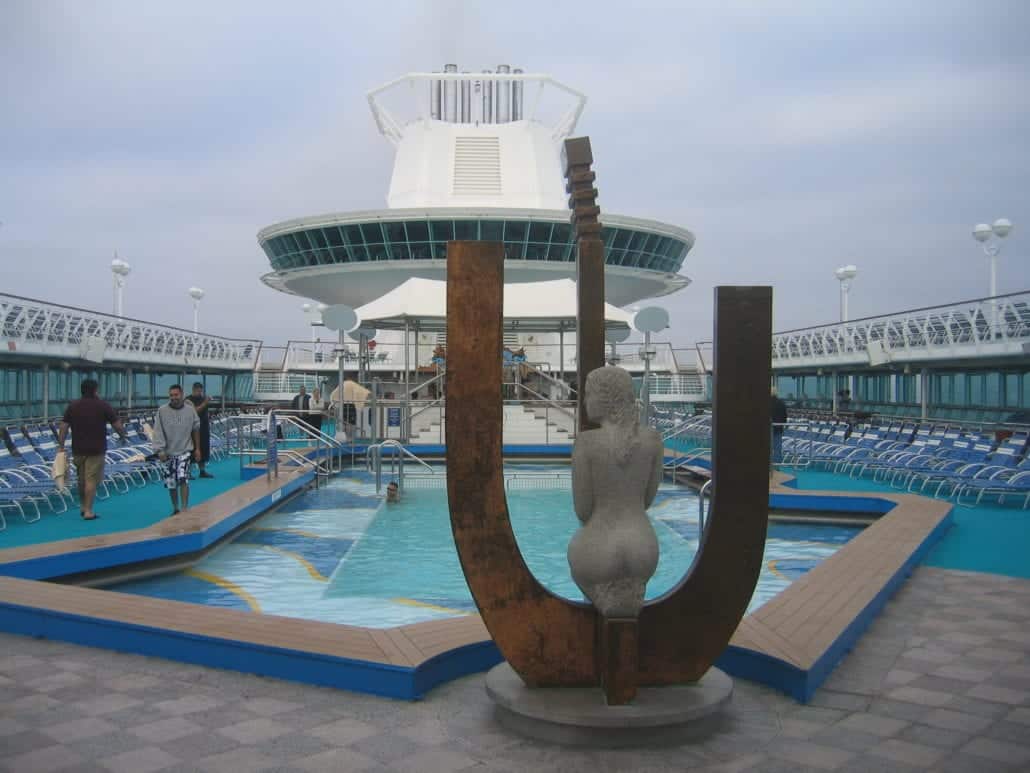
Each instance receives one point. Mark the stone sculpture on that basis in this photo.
(615, 475)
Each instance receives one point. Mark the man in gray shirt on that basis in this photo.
(176, 440)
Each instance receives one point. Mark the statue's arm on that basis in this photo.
(582, 491)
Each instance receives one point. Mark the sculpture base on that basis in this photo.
(579, 716)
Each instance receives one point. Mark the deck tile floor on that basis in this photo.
(941, 681)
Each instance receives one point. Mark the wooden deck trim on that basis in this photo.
(803, 628)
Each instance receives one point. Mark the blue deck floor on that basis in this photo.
(982, 539)
(138, 508)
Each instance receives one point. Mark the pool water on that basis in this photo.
(340, 554)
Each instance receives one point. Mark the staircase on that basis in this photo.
(522, 426)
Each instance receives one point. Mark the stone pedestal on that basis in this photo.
(580, 716)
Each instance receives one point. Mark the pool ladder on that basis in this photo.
(374, 462)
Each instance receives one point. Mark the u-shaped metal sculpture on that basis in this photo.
(551, 641)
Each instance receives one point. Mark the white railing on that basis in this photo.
(50, 330)
(682, 386)
(270, 384)
(987, 327)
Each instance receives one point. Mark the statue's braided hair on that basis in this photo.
(614, 388)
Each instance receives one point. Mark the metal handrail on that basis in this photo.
(292, 417)
(374, 458)
(535, 369)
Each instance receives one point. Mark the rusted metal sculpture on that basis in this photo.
(550, 641)
(577, 159)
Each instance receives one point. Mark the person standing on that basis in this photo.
(88, 418)
(778, 420)
(317, 408)
(201, 403)
(177, 439)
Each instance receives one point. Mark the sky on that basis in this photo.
(790, 137)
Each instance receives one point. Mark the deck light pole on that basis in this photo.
(990, 237)
(844, 275)
(196, 294)
(119, 270)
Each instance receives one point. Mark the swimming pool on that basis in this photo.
(339, 554)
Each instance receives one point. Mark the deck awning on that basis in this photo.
(528, 306)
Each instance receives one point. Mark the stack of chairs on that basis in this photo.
(27, 483)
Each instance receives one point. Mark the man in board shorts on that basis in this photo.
(177, 441)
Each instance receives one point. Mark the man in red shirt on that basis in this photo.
(88, 418)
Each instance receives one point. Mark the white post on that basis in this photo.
(196, 294)
(339, 394)
(46, 392)
(646, 389)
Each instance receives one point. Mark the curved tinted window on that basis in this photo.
(427, 240)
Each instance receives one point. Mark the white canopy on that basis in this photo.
(530, 306)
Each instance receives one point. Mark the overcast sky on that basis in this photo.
(790, 137)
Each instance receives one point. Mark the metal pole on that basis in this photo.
(924, 396)
(46, 392)
(339, 394)
(407, 388)
(128, 389)
(994, 292)
(646, 389)
(375, 412)
(561, 350)
(196, 316)
(844, 302)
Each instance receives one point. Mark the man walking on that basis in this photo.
(88, 418)
(200, 403)
(177, 439)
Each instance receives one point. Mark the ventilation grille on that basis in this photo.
(511, 340)
(477, 165)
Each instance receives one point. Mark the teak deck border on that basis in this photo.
(791, 643)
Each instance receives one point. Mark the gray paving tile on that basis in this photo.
(44, 760)
(909, 753)
(1008, 731)
(1020, 715)
(799, 728)
(875, 724)
(949, 719)
(165, 730)
(79, 729)
(336, 759)
(238, 760)
(811, 754)
(107, 704)
(841, 737)
(254, 730)
(999, 751)
(344, 731)
(149, 759)
(976, 706)
(920, 696)
(386, 747)
(963, 672)
(199, 745)
(995, 655)
(269, 707)
(940, 684)
(934, 736)
(911, 712)
(433, 760)
(25, 741)
(996, 694)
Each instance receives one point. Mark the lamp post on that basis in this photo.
(119, 270)
(844, 275)
(990, 237)
(196, 294)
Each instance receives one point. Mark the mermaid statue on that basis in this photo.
(615, 474)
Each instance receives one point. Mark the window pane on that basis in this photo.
(353, 234)
(421, 251)
(562, 233)
(372, 232)
(443, 230)
(359, 253)
(340, 255)
(608, 236)
(515, 231)
(439, 250)
(621, 238)
(536, 251)
(674, 248)
(513, 250)
(466, 230)
(301, 241)
(333, 236)
(316, 238)
(400, 251)
(637, 240)
(558, 252)
(491, 230)
(540, 232)
(395, 232)
(418, 230)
